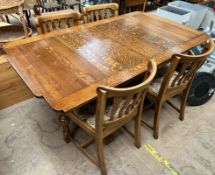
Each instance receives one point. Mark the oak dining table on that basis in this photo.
(66, 67)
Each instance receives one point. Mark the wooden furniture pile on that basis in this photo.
(85, 66)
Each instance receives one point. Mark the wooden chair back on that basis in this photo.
(127, 102)
(42, 2)
(51, 21)
(135, 5)
(100, 11)
(182, 70)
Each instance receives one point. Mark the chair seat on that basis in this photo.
(51, 5)
(91, 118)
(72, 2)
(155, 86)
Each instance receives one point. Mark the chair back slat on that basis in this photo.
(116, 104)
(183, 68)
(126, 102)
(49, 22)
(56, 24)
(50, 26)
(180, 76)
(125, 108)
(96, 14)
(102, 13)
(99, 12)
(108, 13)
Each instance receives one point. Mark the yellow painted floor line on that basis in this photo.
(159, 158)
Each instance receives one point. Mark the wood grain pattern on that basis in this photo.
(66, 67)
(12, 87)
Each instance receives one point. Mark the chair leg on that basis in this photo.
(157, 119)
(79, 7)
(7, 19)
(2, 18)
(137, 134)
(183, 104)
(100, 152)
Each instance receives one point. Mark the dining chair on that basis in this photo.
(126, 105)
(49, 22)
(101, 11)
(50, 5)
(135, 5)
(176, 80)
(72, 4)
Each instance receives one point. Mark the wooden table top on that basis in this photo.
(65, 67)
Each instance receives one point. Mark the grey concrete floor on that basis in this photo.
(31, 143)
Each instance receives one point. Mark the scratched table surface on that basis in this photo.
(66, 67)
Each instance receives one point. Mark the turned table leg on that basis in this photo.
(64, 121)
